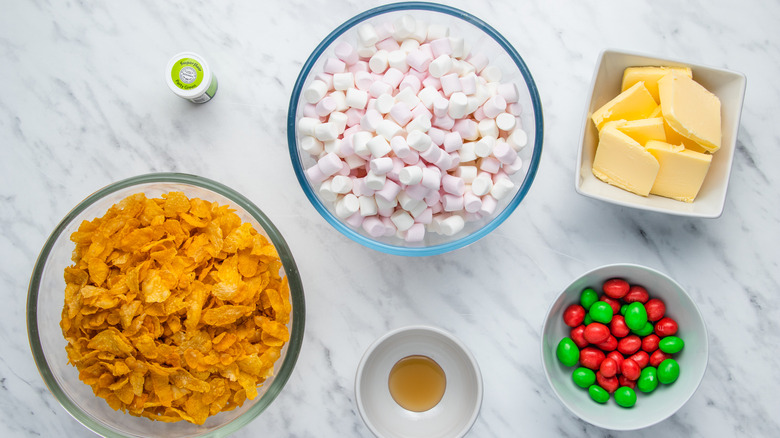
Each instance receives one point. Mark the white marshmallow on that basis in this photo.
(506, 121)
(397, 60)
(481, 185)
(379, 147)
(458, 105)
(315, 91)
(502, 188)
(452, 225)
(419, 141)
(341, 184)
(403, 27)
(467, 152)
(343, 81)
(326, 192)
(360, 143)
(420, 123)
(356, 98)
(467, 173)
(379, 62)
(440, 66)
(340, 119)
(310, 145)
(399, 146)
(384, 103)
(484, 146)
(517, 139)
(326, 131)
(367, 35)
(382, 165)
(347, 206)
(388, 129)
(402, 220)
(491, 73)
(374, 181)
(488, 128)
(306, 125)
(410, 175)
(437, 31)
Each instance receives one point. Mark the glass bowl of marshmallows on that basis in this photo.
(415, 128)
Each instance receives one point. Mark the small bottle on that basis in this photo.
(189, 76)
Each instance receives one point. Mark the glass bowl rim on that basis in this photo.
(423, 250)
(291, 271)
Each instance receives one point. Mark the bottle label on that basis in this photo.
(187, 73)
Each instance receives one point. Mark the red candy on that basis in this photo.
(591, 357)
(616, 288)
(650, 343)
(657, 357)
(630, 369)
(617, 357)
(636, 294)
(614, 304)
(574, 315)
(655, 309)
(577, 335)
(596, 332)
(609, 383)
(629, 345)
(609, 345)
(665, 327)
(641, 358)
(619, 327)
(625, 381)
(608, 367)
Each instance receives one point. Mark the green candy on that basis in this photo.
(583, 377)
(646, 330)
(648, 380)
(625, 396)
(598, 394)
(668, 371)
(636, 316)
(671, 344)
(587, 319)
(601, 312)
(567, 352)
(588, 297)
(623, 309)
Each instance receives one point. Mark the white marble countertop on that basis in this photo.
(83, 105)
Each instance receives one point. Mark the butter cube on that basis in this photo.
(633, 104)
(650, 76)
(623, 162)
(681, 172)
(644, 130)
(674, 137)
(691, 110)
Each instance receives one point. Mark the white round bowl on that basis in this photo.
(458, 409)
(650, 408)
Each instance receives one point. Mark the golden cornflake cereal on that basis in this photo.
(174, 309)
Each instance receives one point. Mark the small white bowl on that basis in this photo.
(650, 408)
(458, 409)
(729, 86)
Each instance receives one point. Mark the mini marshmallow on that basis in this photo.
(437, 31)
(468, 84)
(329, 164)
(373, 225)
(340, 120)
(458, 105)
(517, 139)
(379, 62)
(388, 129)
(354, 161)
(453, 184)
(388, 45)
(421, 110)
(457, 45)
(345, 52)
(366, 52)
(468, 173)
(379, 88)
(467, 128)
(408, 45)
(363, 80)
(428, 96)
(479, 61)
(441, 47)
(347, 206)
(431, 179)
(356, 98)
(430, 81)
(401, 113)
(341, 184)
(489, 204)
(471, 202)
(340, 98)
(388, 192)
(489, 164)
(467, 152)
(504, 152)
(513, 167)
(343, 81)
(418, 192)
(374, 181)
(412, 157)
(384, 30)
(452, 225)
(491, 73)
(425, 217)
(393, 77)
(407, 96)
(440, 66)
(446, 123)
(384, 103)
(420, 123)
(326, 192)
(402, 220)
(419, 141)
(360, 66)
(370, 120)
(403, 27)
(325, 78)
(315, 91)
(441, 105)
(418, 209)
(390, 228)
(412, 82)
(505, 121)
(331, 146)
(463, 68)
(325, 106)
(382, 165)
(502, 188)
(334, 65)
(515, 109)
(508, 90)
(397, 59)
(437, 136)
(410, 175)
(326, 131)
(367, 35)
(359, 187)
(432, 154)
(494, 106)
(355, 220)
(399, 146)
(488, 128)
(450, 83)
(360, 142)
(379, 147)
(420, 32)
(481, 185)
(306, 125)
(310, 145)
(419, 60)
(315, 175)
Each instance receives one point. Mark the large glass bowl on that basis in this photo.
(483, 39)
(46, 297)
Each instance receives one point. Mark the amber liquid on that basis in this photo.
(417, 383)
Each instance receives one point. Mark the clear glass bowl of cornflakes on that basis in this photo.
(165, 305)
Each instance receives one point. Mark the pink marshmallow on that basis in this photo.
(417, 191)
(468, 84)
(450, 83)
(452, 202)
(355, 220)
(400, 146)
(315, 175)
(393, 77)
(390, 228)
(508, 90)
(432, 82)
(421, 110)
(453, 185)
(471, 202)
(452, 141)
(479, 114)
(494, 106)
(446, 123)
(419, 60)
(432, 154)
(490, 165)
(401, 113)
(467, 129)
(363, 80)
(425, 217)
(505, 153)
(309, 110)
(415, 233)
(358, 67)
(389, 191)
(359, 187)
(325, 106)
(334, 65)
(437, 136)
(410, 81)
(389, 44)
(489, 205)
(412, 157)
(373, 226)
(416, 74)
(345, 52)
(330, 164)
(379, 88)
(515, 109)
(431, 179)
(440, 47)
(478, 60)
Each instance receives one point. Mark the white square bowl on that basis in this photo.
(728, 85)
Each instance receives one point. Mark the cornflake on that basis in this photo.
(174, 309)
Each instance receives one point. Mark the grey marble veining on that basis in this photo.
(83, 104)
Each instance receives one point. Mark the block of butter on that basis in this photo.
(623, 162)
(681, 171)
(644, 130)
(632, 104)
(690, 110)
(674, 137)
(650, 76)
